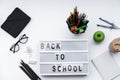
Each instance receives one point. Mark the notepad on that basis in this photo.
(106, 66)
(16, 22)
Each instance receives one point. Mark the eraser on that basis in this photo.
(32, 62)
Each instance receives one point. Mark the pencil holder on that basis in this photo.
(77, 23)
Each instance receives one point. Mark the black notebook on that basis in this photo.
(16, 22)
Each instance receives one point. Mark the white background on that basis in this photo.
(48, 22)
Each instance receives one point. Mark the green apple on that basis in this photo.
(98, 36)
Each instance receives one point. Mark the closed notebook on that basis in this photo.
(16, 22)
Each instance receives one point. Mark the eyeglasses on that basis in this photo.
(15, 47)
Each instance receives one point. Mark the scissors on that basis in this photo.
(112, 25)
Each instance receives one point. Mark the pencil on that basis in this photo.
(27, 73)
(30, 70)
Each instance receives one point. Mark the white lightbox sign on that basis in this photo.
(65, 57)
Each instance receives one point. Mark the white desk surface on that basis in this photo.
(49, 23)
